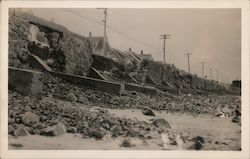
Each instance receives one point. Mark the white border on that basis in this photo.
(5, 153)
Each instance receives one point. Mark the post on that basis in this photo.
(221, 77)
(211, 73)
(188, 54)
(164, 37)
(203, 63)
(105, 31)
(217, 75)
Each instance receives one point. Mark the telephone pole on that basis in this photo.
(188, 54)
(211, 73)
(164, 37)
(217, 75)
(105, 30)
(221, 77)
(203, 63)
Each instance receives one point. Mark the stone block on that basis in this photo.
(25, 81)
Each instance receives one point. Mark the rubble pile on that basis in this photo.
(185, 103)
(38, 115)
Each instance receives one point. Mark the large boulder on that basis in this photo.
(21, 131)
(55, 130)
(30, 118)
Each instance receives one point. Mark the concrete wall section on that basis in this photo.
(25, 81)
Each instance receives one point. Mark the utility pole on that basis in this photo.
(217, 75)
(164, 37)
(221, 77)
(188, 54)
(203, 63)
(211, 73)
(105, 30)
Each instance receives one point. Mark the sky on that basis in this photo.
(210, 35)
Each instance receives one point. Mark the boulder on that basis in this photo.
(11, 130)
(96, 134)
(116, 131)
(55, 130)
(161, 123)
(30, 118)
(71, 97)
(148, 111)
(126, 143)
(21, 131)
(72, 130)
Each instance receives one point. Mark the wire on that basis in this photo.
(85, 17)
(113, 29)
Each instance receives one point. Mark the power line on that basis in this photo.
(85, 17)
(113, 29)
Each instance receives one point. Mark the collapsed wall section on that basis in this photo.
(61, 49)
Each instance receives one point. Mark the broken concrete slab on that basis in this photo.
(25, 81)
(94, 73)
(36, 62)
(100, 85)
(143, 89)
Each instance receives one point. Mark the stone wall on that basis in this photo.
(62, 50)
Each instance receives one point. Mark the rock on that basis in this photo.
(71, 97)
(21, 131)
(11, 130)
(148, 111)
(134, 93)
(96, 134)
(116, 130)
(161, 123)
(11, 121)
(39, 126)
(55, 130)
(126, 143)
(83, 99)
(199, 138)
(27, 109)
(36, 131)
(197, 144)
(72, 130)
(29, 117)
(236, 120)
(43, 118)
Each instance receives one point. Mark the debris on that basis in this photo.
(148, 111)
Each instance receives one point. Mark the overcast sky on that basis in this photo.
(210, 35)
